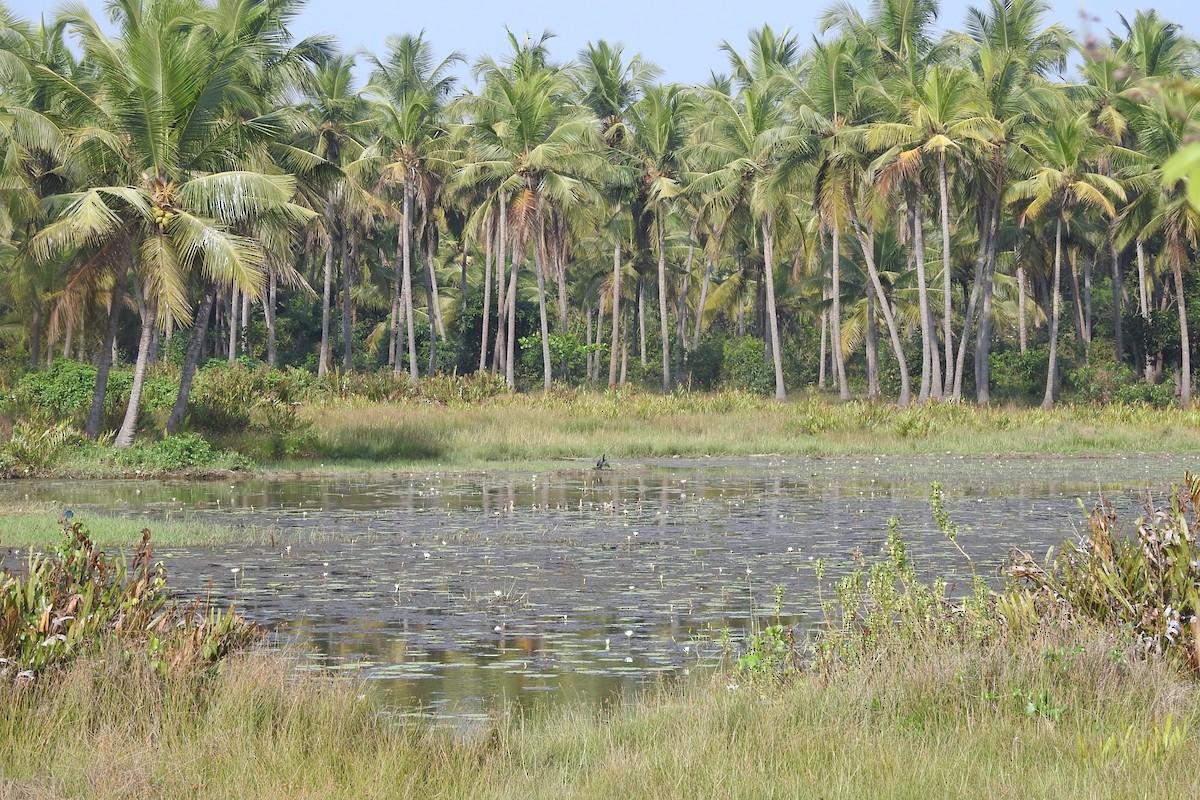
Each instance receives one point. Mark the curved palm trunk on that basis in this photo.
(128, 431)
(664, 325)
(323, 354)
(487, 290)
(947, 286)
(772, 317)
(1055, 304)
(1185, 342)
(835, 317)
(867, 243)
(191, 360)
(406, 280)
(104, 362)
(969, 318)
(614, 346)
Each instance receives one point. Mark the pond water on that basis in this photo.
(453, 592)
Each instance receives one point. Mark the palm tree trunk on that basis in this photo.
(928, 335)
(1056, 302)
(326, 296)
(233, 323)
(539, 262)
(1076, 296)
(1118, 333)
(867, 243)
(835, 316)
(616, 314)
(872, 347)
(501, 353)
(510, 367)
(821, 369)
(431, 303)
(35, 336)
(641, 307)
(349, 267)
(708, 266)
(772, 316)
(487, 290)
(947, 272)
(69, 337)
(191, 360)
(1143, 295)
(244, 335)
(269, 313)
(664, 326)
(983, 341)
(1022, 332)
(406, 279)
(149, 314)
(1185, 342)
(104, 360)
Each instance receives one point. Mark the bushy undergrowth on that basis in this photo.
(1141, 590)
(78, 601)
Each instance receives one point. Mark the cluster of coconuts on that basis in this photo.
(162, 216)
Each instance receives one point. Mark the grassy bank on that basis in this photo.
(32, 524)
(530, 428)
(1078, 719)
(436, 429)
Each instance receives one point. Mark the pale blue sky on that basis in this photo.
(682, 38)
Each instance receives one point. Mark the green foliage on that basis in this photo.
(1019, 376)
(62, 392)
(744, 367)
(1147, 585)
(78, 600)
(183, 452)
(34, 447)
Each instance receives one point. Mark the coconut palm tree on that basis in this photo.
(165, 185)
(539, 149)
(1160, 206)
(659, 135)
(944, 114)
(410, 90)
(749, 155)
(1064, 183)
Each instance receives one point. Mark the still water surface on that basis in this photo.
(455, 591)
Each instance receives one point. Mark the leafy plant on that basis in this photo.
(78, 599)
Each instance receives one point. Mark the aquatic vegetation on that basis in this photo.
(1147, 584)
(77, 600)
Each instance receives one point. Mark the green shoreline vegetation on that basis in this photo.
(1077, 679)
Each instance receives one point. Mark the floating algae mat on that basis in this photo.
(453, 592)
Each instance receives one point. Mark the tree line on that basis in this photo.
(883, 199)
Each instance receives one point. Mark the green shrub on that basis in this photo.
(36, 446)
(1019, 376)
(77, 599)
(745, 368)
(62, 392)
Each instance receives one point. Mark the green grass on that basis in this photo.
(1062, 718)
(35, 524)
(530, 428)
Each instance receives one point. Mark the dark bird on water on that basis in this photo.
(603, 463)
